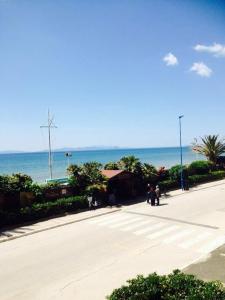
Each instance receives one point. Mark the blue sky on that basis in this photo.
(100, 67)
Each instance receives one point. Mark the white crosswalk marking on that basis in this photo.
(103, 223)
(212, 245)
(150, 228)
(133, 226)
(195, 240)
(119, 224)
(178, 236)
(104, 218)
(162, 232)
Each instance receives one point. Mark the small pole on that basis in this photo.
(181, 156)
(68, 155)
(49, 126)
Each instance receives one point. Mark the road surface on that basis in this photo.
(88, 259)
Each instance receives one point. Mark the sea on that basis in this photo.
(36, 164)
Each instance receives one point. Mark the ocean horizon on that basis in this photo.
(35, 164)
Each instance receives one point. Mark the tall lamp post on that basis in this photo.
(181, 156)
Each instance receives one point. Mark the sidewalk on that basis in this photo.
(197, 188)
(28, 229)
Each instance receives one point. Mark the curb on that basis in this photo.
(59, 225)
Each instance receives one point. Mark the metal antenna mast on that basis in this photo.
(49, 126)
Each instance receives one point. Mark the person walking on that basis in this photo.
(158, 194)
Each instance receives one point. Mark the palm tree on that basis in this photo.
(130, 164)
(111, 166)
(149, 173)
(211, 147)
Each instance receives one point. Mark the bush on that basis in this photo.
(169, 184)
(199, 167)
(216, 175)
(176, 286)
(174, 172)
(43, 210)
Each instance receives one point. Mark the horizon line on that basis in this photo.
(83, 149)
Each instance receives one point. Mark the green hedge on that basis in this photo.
(176, 286)
(216, 175)
(42, 210)
(168, 185)
(199, 167)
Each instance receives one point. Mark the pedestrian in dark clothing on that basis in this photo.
(148, 192)
(152, 196)
(158, 194)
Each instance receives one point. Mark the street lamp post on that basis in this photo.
(181, 156)
(68, 155)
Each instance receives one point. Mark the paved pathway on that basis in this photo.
(21, 231)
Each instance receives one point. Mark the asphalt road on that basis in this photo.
(86, 260)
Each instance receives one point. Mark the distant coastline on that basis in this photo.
(91, 148)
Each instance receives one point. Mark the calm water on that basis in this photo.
(36, 164)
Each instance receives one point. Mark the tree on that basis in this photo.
(92, 170)
(210, 146)
(149, 173)
(85, 175)
(111, 166)
(130, 164)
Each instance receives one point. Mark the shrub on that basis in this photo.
(174, 172)
(176, 286)
(216, 175)
(199, 167)
(168, 185)
(43, 210)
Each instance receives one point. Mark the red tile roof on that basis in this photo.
(111, 173)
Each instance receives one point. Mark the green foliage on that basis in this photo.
(175, 286)
(74, 170)
(149, 173)
(199, 167)
(174, 172)
(96, 189)
(4, 184)
(130, 163)
(20, 182)
(168, 184)
(83, 176)
(15, 183)
(210, 146)
(145, 172)
(112, 166)
(92, 170)
(216, 175)
(43, 210)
